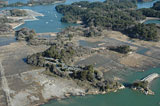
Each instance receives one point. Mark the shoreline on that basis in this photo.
(14, 27)
(149, 18)
(32, 16)
(69, 95)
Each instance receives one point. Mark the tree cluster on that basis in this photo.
(144, 31)
(141, 84)
(124, 49)
(110, 14)
(5, 28)
(18, 12)
(64, 54)
(153, 11)
(107, 85)
(119, 15)
(4, 19)
(149, 12)
(36, 60)
(156, 6)
(25, 34)
(88, 73)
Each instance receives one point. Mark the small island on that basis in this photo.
(143, 85)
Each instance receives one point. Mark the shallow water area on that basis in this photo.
(6, 40)
(152, 21)
(124, 97)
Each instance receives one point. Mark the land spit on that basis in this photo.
(19, 20)
(149, 18)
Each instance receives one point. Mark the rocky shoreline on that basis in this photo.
(68, 95)
(143, 85)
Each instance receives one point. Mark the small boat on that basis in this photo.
(55, 15)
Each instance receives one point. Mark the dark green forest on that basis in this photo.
(118, 15)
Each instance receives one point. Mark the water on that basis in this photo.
(6, 40)
(51, 20)
(124, 97)
(14, 1)
(152, 21)
(51, 23)
(146, 4)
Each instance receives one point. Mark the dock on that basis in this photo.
(151, 77)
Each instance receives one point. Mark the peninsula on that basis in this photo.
(11, 19)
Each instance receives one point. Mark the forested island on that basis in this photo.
(156, 6)
(120, 16)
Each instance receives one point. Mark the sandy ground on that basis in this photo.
(15, 25)
(48, 33)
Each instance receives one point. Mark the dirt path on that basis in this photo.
(4, 85)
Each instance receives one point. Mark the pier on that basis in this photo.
(150, 77)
